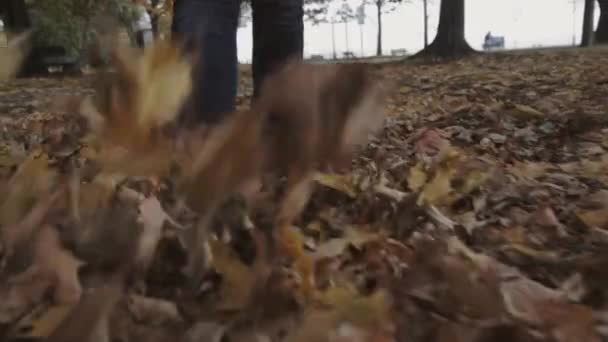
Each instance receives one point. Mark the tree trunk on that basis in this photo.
(450, 41)
(601, 35)
(379, 40)
(17, 18)
(587, 38)
(425, 5)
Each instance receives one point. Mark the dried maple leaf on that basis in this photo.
(147, 91)
(132, 105)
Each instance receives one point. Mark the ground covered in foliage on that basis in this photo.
(479, 213)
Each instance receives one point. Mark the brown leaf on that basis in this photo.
(569, 322)
(88, 321)
(522, 297)
(53, 262)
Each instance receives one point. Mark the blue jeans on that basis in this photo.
(209, 27)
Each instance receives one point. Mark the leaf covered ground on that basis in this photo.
(478, 213)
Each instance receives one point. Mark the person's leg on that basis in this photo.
(209, 27)
(278, 34)
(139, 39)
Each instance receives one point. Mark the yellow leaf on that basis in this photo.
(437, 189)
(43, 326)
(32, 180)
(337, 182)
(594, 218)
(417, 177)
(237, 279)
(533, 253)
(405, 89)
(526, 112)
(146, 92)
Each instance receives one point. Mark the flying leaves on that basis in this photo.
(13, 55)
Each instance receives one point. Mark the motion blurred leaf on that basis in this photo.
(12, 56)
(594, 218)
(43, 325)
(237, 279)
(53, 262)
(131, 106)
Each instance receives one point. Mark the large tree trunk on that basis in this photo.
(601, 35)
(425, 5)
(17, 18)
(587, 38)
(450, 41)
(379, 40)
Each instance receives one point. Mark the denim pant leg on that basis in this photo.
(278, 34)
(209, 27)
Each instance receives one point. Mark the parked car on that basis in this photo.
(42, 57)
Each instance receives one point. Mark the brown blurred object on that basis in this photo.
(317, 116)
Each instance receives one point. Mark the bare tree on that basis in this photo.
(382, 7)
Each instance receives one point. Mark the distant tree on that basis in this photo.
(450, 40)
(601, 34)
(68, 23)
(382, 7)
(588, 17)
(315, 11)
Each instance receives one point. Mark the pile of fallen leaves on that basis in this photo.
(478, 213)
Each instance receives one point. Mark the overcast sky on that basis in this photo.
(524, 23)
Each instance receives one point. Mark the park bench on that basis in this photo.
(348, 54)
(398, 52)
(494, 43)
